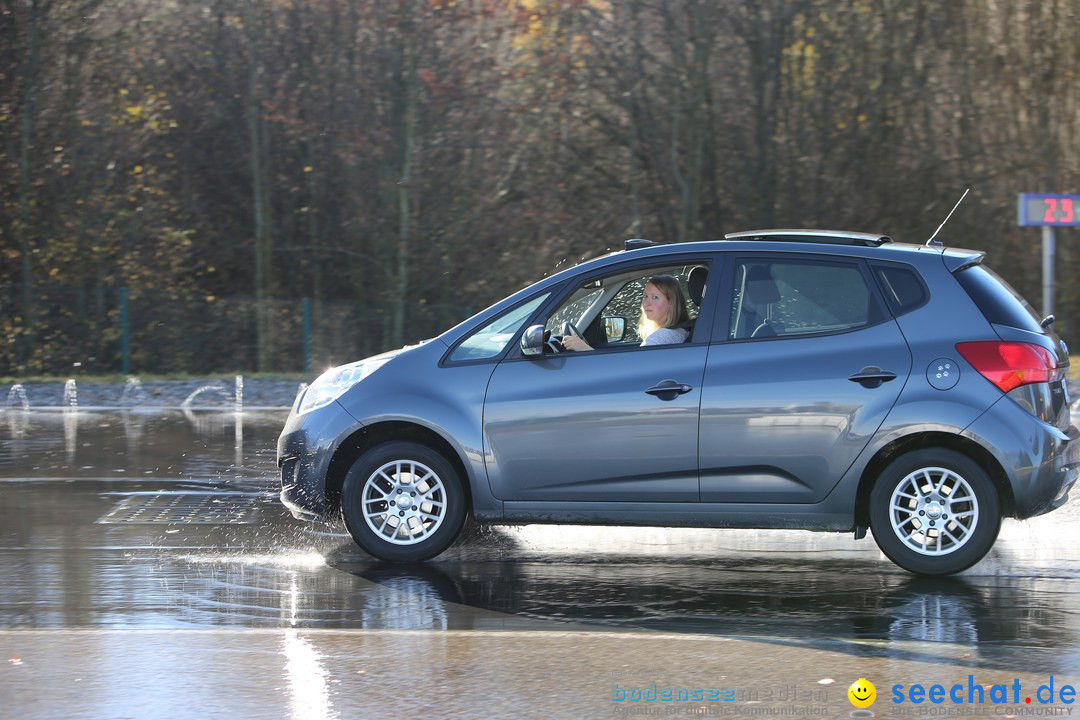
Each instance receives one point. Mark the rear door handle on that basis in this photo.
(669, 389)
(872, 376)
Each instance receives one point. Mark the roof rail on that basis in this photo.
(836, 237)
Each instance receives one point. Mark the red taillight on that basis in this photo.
(1009, 364)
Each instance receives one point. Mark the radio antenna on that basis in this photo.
(931, 240)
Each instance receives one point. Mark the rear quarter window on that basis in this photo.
(997, 300)
(902, 287)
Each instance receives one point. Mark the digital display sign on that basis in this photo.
(1045, 209)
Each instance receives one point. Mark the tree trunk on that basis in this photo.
(260, 192)
(26, 138)
(404, 205)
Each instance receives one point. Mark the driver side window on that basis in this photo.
(607, 310)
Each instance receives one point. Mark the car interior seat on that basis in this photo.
(695, 285)
(761, 292)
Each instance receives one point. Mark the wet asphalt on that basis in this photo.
(149, 571)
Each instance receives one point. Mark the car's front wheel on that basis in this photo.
(934, 512)
(403, 502)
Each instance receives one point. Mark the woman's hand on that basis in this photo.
(573, 343)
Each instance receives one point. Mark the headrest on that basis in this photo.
(695, 283)
(760, 287)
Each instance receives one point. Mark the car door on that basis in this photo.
(810, 365)
(610, 425)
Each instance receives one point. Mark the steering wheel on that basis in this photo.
(554, 342)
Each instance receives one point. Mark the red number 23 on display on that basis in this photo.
(1052, 204)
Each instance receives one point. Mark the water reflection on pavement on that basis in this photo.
(164, 522)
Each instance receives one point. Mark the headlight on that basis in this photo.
(329, 386)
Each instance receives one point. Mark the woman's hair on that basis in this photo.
(677, 311)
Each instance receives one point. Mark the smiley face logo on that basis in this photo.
(862, 693)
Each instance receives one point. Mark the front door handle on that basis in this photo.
(669, 389)
(872, 376)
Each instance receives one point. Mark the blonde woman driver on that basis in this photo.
(663, 311)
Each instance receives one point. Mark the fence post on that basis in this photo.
(125, 333)
(306, 304)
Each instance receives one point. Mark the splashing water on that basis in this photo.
(17, 393)
(71, 394)
(133, 391)
(190, 399)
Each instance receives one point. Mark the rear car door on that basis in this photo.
(809, 365)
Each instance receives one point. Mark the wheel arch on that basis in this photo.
(919, 441)
(367, 437)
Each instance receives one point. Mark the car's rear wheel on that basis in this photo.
(934, 512)
(403, 502)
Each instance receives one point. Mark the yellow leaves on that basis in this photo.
(150, 109)
(801, 64)
(308, 168)
(861, 121)
(137, 170)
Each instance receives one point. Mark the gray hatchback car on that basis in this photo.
(831, 381)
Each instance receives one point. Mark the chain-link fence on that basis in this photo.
(105, 330)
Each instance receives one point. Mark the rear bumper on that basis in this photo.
(305, 450)
(1042, 462)
(1068, 472)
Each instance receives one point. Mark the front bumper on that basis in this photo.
(305, 450)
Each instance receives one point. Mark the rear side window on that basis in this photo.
(779, 298)
(997, 300)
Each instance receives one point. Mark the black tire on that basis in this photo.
(399, 527)
(936, 486)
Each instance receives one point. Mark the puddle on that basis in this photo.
(170, 520)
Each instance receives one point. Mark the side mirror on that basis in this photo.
(614, 328)
(532, 341)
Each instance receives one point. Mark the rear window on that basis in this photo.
(998, 301)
